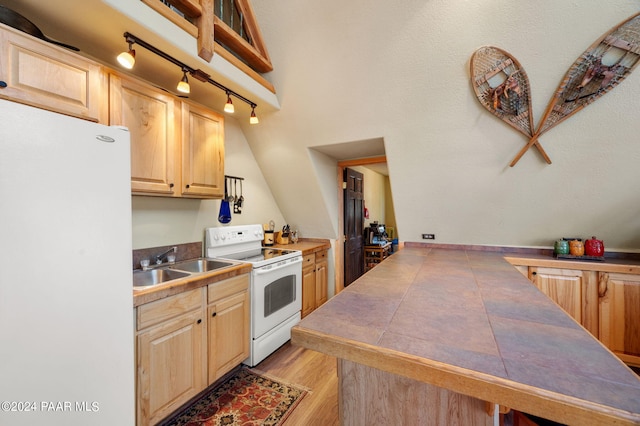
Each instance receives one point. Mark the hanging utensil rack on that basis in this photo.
(233, 192)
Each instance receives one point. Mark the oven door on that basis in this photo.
(276, 294)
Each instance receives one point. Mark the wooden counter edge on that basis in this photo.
(622, 268)
(160, 291)
(485, 387)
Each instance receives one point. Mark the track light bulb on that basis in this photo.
(228, 107)
(254, 118)
(127, 59)
(183, 85)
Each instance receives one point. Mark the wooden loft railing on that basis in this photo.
(211, 32)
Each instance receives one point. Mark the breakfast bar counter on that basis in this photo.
(436, 336)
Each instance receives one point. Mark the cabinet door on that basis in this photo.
(150, 116)
(574, 290)
(308, 289)
(202, 152)
(49, 77)
(228, 334)
(620, 315)
(321, 282)
(171, 367)
(524, 270)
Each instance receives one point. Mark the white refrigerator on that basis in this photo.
(66, 304)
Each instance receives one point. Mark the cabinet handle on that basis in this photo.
(3, 84)
(187, 186)
(199, 321)
(214, 314)
(603, 285)
(171, 185)
(534, 273)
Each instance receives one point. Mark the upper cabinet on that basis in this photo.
(150, 115)
(45, 76)
(202, 152)
(177, 147)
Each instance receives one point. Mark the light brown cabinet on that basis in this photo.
(321, 277)
(573, 290)
(46, 76)
(308, 285)
(604, 298)
(314, 281)
(171, 354)
(620, 315)
(202, 152)
(177, 147)
(228, 328)
(150, 116)
(186, 342)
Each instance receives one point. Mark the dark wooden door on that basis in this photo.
(353, 226)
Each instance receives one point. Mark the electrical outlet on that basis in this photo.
(428, 236)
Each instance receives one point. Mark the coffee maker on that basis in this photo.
(375, 234)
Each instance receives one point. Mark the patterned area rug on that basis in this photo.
(246, 399)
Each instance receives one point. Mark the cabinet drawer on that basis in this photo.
(321, 255)
(227, 287)
(309, 259)
(170, 307)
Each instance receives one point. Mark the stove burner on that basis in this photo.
(244, 243)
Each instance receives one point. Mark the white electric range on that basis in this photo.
(276, 284)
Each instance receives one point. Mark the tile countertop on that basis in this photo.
(306, 245)
(160, 291)
(468, 321)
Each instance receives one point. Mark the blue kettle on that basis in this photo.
(225, 211)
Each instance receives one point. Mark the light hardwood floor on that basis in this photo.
(312, 370)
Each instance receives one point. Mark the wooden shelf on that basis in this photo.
(375, 254)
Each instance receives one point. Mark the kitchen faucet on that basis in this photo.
(160, 257)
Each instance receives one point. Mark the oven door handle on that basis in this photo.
(295, 260)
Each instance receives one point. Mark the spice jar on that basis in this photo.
(576, 247)
(594, 247)
(561, 247)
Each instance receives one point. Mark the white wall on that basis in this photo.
(161, 221)
(399, 70)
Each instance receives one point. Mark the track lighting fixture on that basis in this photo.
(228, 107)
(127, 60)
(183, 85)
(254, 118)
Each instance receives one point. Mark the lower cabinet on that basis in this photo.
(186, 342)
(575, 291)
(620, 315)
(171, 354)
(228, 313)
(607, 304)
(314, 281)
(308, 285)
(322, 277)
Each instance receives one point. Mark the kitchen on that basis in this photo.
(450, 177)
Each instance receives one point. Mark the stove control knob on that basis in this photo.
(215, 237)
(224, 237)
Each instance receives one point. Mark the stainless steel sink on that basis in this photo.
(153, 277)
(200, 265)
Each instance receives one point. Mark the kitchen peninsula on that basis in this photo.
(437, 336)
